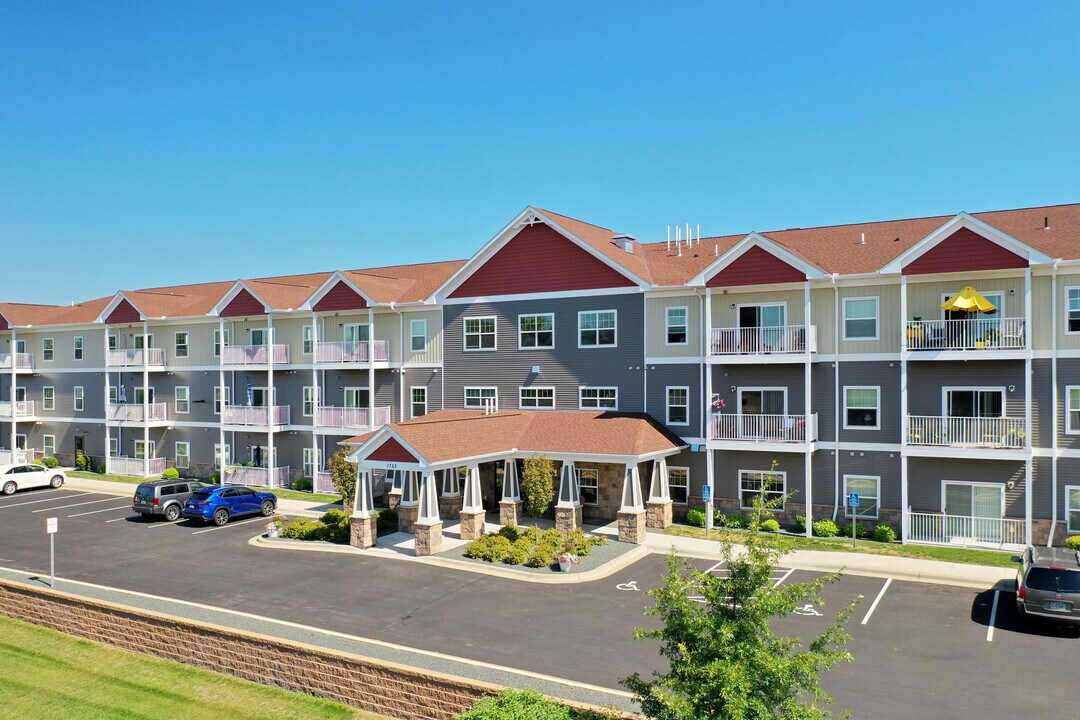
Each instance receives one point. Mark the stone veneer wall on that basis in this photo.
(371, 685)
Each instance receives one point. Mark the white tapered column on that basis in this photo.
(658, 511)
(472, 508)
(510, 507)
(428, 526)
(409, 507)
(632, 512)
(362, 524)
(568, 511)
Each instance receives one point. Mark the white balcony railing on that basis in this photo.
(940, 529)
(133, 412)
(263, 416)
(351, 352)
(257, 476)
(351, 417)
(255, 354)
(22, 361)
(324, 483)
(135, 357)
(763, 340)
(134, 466)
(989, 432)
(22, 408)
(979, 333)
(764, 428)
(16, 456)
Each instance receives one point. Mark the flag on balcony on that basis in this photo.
(123, 393)
(250, 393)
(969, 299)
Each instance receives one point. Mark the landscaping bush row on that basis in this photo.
(825, 527)
(531, 547)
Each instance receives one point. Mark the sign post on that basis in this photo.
(51, 525)
(853, 503)
(706, 495)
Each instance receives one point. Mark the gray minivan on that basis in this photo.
(163, 497)
(1048, 585)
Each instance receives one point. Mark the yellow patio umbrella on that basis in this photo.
(969, 299)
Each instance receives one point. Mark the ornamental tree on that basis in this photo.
(343, 473)
(537, 485)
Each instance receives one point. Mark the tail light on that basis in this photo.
(157, 501)
(1021, 593)
(204, 504)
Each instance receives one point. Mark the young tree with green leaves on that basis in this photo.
(537, 485)
(726, 663)
(343, 473)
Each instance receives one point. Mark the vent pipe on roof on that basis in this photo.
(862, 238)
(1046, 222)
(626, 242)
(669, 238)
(699, 234)
(716, 250)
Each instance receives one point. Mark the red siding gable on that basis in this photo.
(243, 304)
(756, 266)
(539, 259)
(963, 251)
(125, 312)
(392, 451)
(341, 297)
(4, 323)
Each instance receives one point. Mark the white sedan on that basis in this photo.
(28, 475)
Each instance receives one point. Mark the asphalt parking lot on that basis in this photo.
(920, 650)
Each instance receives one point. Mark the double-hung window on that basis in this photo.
(77, 346)
(47, 348)
(861, 318)
(78, 396)
(536, 397)
(308, 342)
(678, 405)
(182, 398)
(868, 488)
(477, 397)
(311, 462)
(48, 445)
(183, 455)
(596, 328)
(309, 405)
(218, 341)
(180, 344)
(675, 326)
(417, 335)
(217, 398)
(862, 406)
(1072, 309)
(48, 397)
(480, 333)
(754, 482)
(598, 398)
(536, 331)
(679, 484)
(112, 342)
(419, 400)
(588, 485)
(1072, 409)
(1072, 507)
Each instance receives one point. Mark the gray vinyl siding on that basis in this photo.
(1042, 408)
(697, 462)
(757, 376)
(886, 376)
(728, 463)
(664, 376)
(1068, 474)
(926, 380)
(925, 476)
(884, 465)
(565, 367)
(1068, 374)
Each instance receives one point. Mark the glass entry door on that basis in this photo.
(762, 327)
(974, 403)
(762, 414)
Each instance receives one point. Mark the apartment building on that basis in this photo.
(817, 362)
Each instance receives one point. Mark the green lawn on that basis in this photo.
(286, 494)
(869, 547)
(47, 674)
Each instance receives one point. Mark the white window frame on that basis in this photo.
(761, 388)
(181, 349)
(356, 391)
(220, 452)
(668, 405)
(143, 342)
(614, 330)
(184, 402)
(877, 318)
(581, 397)
(48, 445)
(480, 334)
(946, 389)
(309, 459)
(782, 474)
(412, 400)
(685, 484)
(48, 349)
(112, 342)
(78, 398)
(876, 408)
(999, 486)
(137, 389)
(308, 395)
(48, 397)
(264, 332)
(307, 340)
(1069, 489)
(114, 447)
(218, 399)
(668, 326)
(534, 333)
(185, 463)
(113, 395)
(481, 388)
(876, 496)
(521, 397)
(1069, 428)
(422, 335)
(152, 447)
(218, 344)
(78, 344)
(1068, 290)
(582, 486)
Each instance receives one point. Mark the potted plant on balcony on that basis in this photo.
(916, 332)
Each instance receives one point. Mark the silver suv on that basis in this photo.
(1048, 585)
(163, 497)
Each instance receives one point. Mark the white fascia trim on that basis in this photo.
(227, 298)
(544, 295)
(674, 360)
(755, 239)
(118, 298)
(964, 220)
(328, 285)
(381, 436)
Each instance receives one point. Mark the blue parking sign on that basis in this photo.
(853, 500)
(706, 493)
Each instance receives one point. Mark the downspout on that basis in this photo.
(442, 358)
(905, 511)
(836, 398)
(401, 366)
(1053, 404)
(14, 390)
(146, 398)
(706, 318)
(1027, 410)
(271, 461)
(371, 368)
(316, 390)
(809, 426)
(108, 434)
(645, 355)
(221, 400)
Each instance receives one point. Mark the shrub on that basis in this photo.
(334, 517)
(551, 536)
(337, 533)
(800, 524)
(299, 529)
(770, 525)
(100, 469)
(302, 484)
(170, 474)
(511, 532)
(719, 519)
(862, 530)
(537, 484)
(386, 521)
(490, 548)
(1073, 542)
(515, 705)
(519, 551)
(343, 473)
(695, 517)
(542, 556)
(736, 521)
(580, 544)
(83, 462)
(884, 533)
(826, 528)
(215, 477)
(50, 462)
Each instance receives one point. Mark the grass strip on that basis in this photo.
(280, 492)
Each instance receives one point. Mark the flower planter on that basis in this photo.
(565, 566)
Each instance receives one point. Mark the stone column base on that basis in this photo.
(632, 527)
(450, 506)
(510, 512)
(362, 531)
(568, 519)
(428, 539)
(406, 517)
(393, 500)
(472, 524)
(658, 514)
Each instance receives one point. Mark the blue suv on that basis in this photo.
(218, 503)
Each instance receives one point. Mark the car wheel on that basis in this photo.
(267, 508)
(9, 487)
(221, 516)
(57, 481)
(172, 513)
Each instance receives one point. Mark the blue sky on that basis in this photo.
(146, 144)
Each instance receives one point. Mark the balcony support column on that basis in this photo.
(146, 398)
(316, 399)
(371, 369)
(905, 522)
(14, 390)
(706, 350)
(1027, 402)
(809, 431)
(221, 399)
(270, 459)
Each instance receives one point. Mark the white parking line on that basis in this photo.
(118, 519)
(785, 577)
(61, 507)
(92, 512)
(39, 492)
(35, 502)
(163, 524)
(873, 605)
(993, 616)
(717, 566)
(232, 524)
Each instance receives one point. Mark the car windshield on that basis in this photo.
(1054, 580)
(199, 496)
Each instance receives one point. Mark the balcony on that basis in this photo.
(23, 362)
(22, 408)
(135, 466)
(750, 429)
(975, 334)
(781, 340)
(353, 418)
(257, 476)
(264, 416)
(136, 357)
(324, 483)
(350, 352)
(136, 413)
(966, 432)
(966, 531)
(16, 456)
(243, 355)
